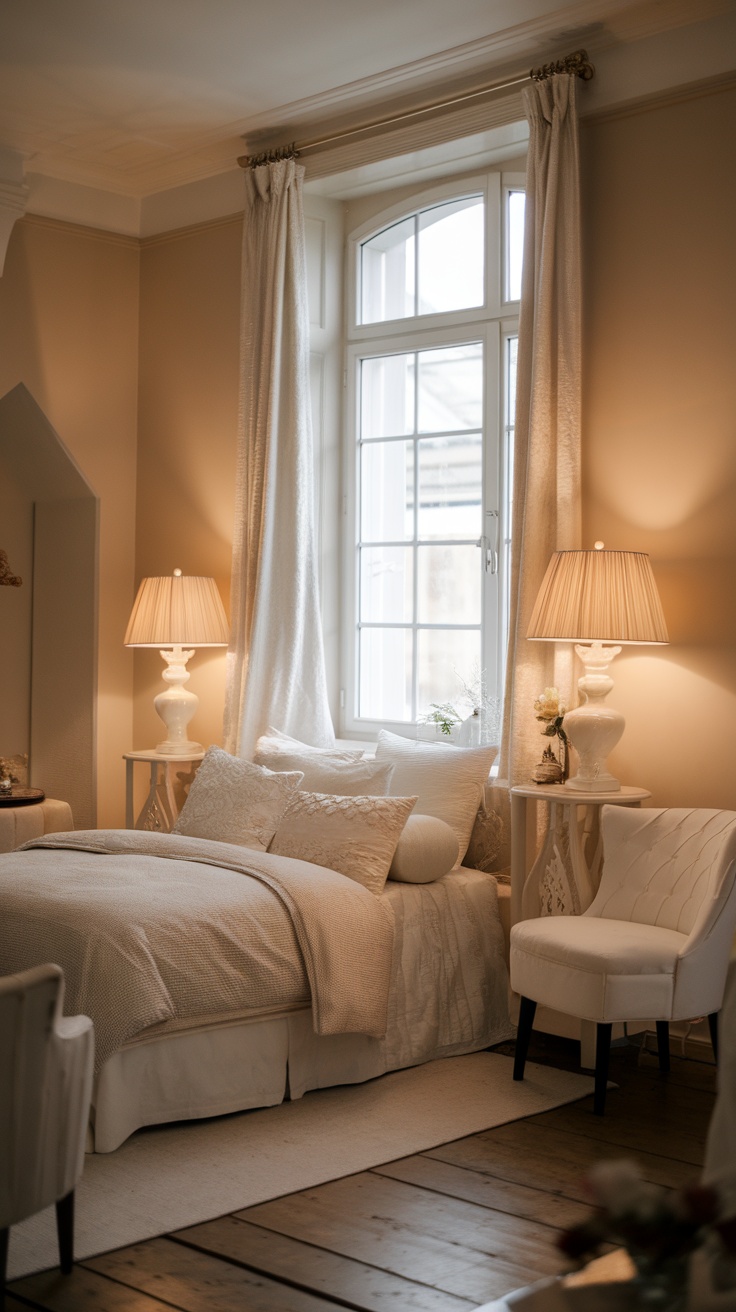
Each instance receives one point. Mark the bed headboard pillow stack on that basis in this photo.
(448, 781)
(355, 835)
(235, 801)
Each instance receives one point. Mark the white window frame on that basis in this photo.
(490, 323)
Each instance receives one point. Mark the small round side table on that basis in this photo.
(564, 877)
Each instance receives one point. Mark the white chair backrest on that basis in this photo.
(46, 1069)
(668, 867)
(28, 1007)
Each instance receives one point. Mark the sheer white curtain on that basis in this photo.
(546, 495)
(276, 672)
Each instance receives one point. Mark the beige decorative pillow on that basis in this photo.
(355, 835)
(277, 751)
(448, 780)
(426, 850)
(235, 801)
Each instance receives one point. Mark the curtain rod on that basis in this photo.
(576, 63)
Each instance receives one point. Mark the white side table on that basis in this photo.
(564, 877)
(160, 809)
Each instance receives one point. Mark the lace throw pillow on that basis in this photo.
(356, 836)
(448, 780)
(235, 801)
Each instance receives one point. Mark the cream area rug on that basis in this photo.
(174, 1176)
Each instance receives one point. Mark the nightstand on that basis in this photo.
(564, 877)
(160, 809)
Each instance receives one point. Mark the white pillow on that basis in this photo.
(234, 801)
(426, 850)
(345, 778)
(448, 780)
(356, 836)
(277, 751)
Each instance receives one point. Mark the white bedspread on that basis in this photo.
(153, 927)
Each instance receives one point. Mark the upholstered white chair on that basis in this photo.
(655, 942)
(46, 1062)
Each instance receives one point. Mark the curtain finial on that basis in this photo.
(577, 63)
(269, 156)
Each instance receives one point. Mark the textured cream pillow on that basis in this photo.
(277, 751)
(427, 850)
(448, 780)
(355, 835)
(235, 801)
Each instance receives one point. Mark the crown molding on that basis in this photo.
(13, 197)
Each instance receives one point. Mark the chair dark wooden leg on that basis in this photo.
(713, 1027)
(65, 1231)
(663, 1046)
(527, 1009)
(4, 1235)
(602, 1051)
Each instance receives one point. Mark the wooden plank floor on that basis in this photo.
(442, 1231)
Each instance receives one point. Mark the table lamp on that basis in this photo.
(172, 612)
(597, 597)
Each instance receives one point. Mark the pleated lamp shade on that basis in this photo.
(177, 610)
(598, 596)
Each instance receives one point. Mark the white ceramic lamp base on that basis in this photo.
(177, 705)
(594, 728)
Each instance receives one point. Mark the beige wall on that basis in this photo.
(69, 331)
(660, 423)
(659, 440)
(189, 343)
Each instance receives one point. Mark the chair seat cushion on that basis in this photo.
(596, 969)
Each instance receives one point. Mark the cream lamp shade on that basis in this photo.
(175, 611)
(597, 597)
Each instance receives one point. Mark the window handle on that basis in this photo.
(490, 544)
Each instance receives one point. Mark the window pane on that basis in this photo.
(387, 273)
(387, 395)
(386, 584)
(513, 349)
(450, 486)
(385, 674)
(446, 661)
(451, 270)
(386, 491)
(450, 388)
(448, 585)
(514, 243)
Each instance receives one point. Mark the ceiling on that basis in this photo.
(137, 96)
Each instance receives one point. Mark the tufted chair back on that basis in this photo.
(672, 868)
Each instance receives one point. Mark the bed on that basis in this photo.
(222, 977)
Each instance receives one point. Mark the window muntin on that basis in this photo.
(429, 263)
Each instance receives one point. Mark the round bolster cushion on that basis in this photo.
(427, 849)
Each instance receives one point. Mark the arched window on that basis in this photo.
(431, 357)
